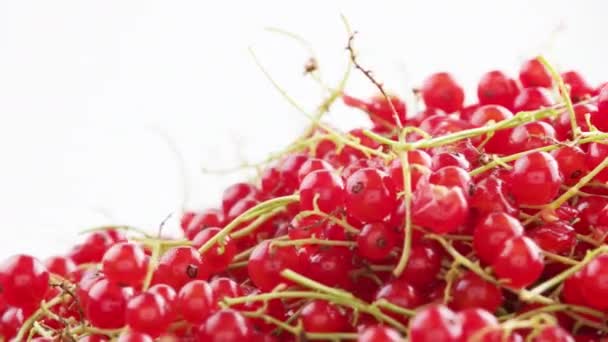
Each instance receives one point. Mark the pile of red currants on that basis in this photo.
(455, 223)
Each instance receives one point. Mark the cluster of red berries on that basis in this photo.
(482, 223)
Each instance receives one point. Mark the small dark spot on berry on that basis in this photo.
(471, 189)
(192, 271)
(381, 243)
(355, 189)
(576, 174)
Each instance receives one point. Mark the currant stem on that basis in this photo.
(565, 94)
(407, 199)
(36, 316)
(313, 241)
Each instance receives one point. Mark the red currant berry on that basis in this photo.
(24, 281)
(530, 136)
(235, 193)
(370, 195)
(420, 165)
(596, 154)
(107, 304)
(534, 74)
(201, 221)
(490, 195)
(520, 262)
(594, 282)
(443, 159)
(555, 237)
(218, 257)
(226, 325)
(225, 288)
(441, 91)
(60, 266)
(320, 316)
(376, 242)
(125, 264)
(492, 232)
(267, 262)
(147, 313)
(602, 101)
(535, 179)
(313, 164)
(435, 323)
(532, 99)
(92, 249)
(195, 301)
(423, 266)
(325, 187)
(439, 208)
(132, 336)
(571, 161)
(379, 333)
(180, 265)
(400, 293)
(473, 320)
(169, 296)
(470, 291)
(497, 88)
(451, 176)
(579, 88)
(379, 109)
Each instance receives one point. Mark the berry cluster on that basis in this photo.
(454, 223)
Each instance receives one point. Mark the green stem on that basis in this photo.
(565, 94)
(27, 325)
(253, 226)
(407, 198)
(314, 241)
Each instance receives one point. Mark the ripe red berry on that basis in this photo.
(423, 265)
(553, 334)
(331, 266)
(24, 281)
(571, 161)
(132, 336)
(532, 99)
(235, 193)
(60, 266)
(443, 159)
(125, 263)
(218, 257)
(555, 237)
(92, 249)
(400, 293)
(435, 323)
(491, 233)
(267, 262)
(596, 153)
(602, 101)
(370, 195)
(223, 287)
(473, 320)
(192, 223)
(379, 109)
(147, 313)
(470, 292)
(441, 91)
(195, 301)
(530, 136)
(579, 88)
(226, 325)
(439, 208)
(534, 74)
(326, 187)
(451, 176)
(107, 304)
(535, 179)
(491, 194)
(180, 265)
(320, 316)
(379, 333)
(170, 297)
(520, 263)
(376, 242)
(594, 282)
(313, 164)
(497, 88)
(420, 165)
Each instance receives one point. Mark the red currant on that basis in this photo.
(226, 325)
(491, 233)
(325, 187)
(435, 323)
(535, 179)
(470, 291)
(267, 262)
(497, 88)
(196, 301)
(534, 74)
(320, 316)
(107, 304)
(125, 263)
(532, 99)
(370, 195)
(520, 262)
(24, 281)
(439, 208)
(441, 91)
(147, 313)
(579, 88)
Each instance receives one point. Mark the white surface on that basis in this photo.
(81, 82)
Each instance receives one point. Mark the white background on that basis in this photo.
(88, 89)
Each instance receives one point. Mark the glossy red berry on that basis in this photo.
(92, 249)
(435, 323)
(326, 187)
(602, 101)
(452, 176)
(594, 282)
(535, 179)
(530, 136)
(379, 333)
(470, 291)
(236, 193)
(534, 74)
(443, 159)
(169, 296)
(439, 208)
(192, 223)
(442, 91)
(225, 288)
(400, 293)
(267, 262)
(596, 153)
(107, 304)
(520, 263)
(132, 336)
(331, 266)
(491, 233)
(555, 237)
(532, 99)
(24, 280)
(195, 301)
(497, 88)
(579, 88)
(218, 257)
(420, 165)
(320, 316)
(11, 321)
(491, 194)
(473, 320)
(571, 161)
(379, 109)
(180, 265)
(376, 241)
(226, 325)
(370, 195)
(147, 313)
(60, 265)
(313, 164)
(553, 334)
(423, 265)
(125, 263)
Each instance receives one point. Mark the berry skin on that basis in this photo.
(439, 208)
(532, 99)
(180, 265)
(132, 336)
(497, 88)
(313, 164)
(376, 241)
(235, 193)
(420, 165)
(555, 237)
(484, 115)
(226, 325)
(534, 74)
(553, 334)
(490, 195)
(216, 258)
(492, 232)
(530, 136)
(596, 153)
(93, 248)
(125, 263)
(60, 266)
(423, 265)
(535, 179)
(327, 186)
(435, 323)
(594, 282)
(370, 195)
(169, 296)
(579, 88)
(379, 333)
(319, 316)
(192, 223)
(331, 266)
(470, 292)
(520, 263)
(571, 161)
(451, 176)
(24, 281)
(195, 301)
(401, 294)
(473, 320)
(602, 101)
(106, 305)
(267, 262)
(379, 109)
(441, 91)
(147, 313)
(443, 159)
